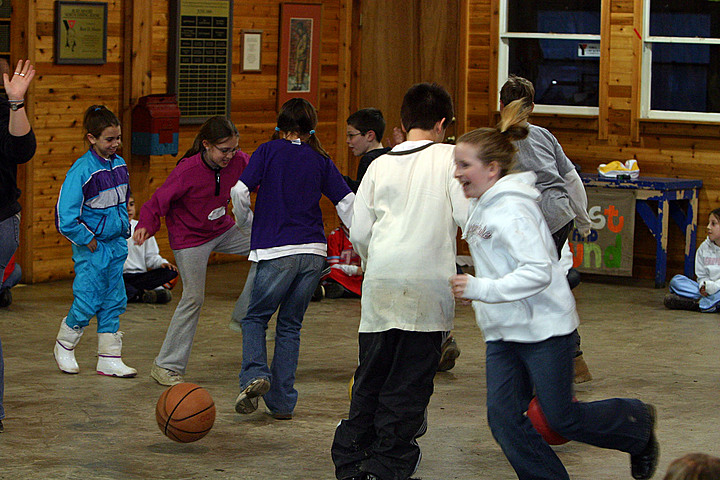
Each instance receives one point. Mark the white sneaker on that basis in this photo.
(164, 376)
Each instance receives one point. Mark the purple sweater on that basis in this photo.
(292, 179)
(188, 198)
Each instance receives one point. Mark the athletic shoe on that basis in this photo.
(149, 296)
(448, 353)
(165, 376)
(163, 295)
(318, 294)
(582, 372)
(643, 465)
(676, 302)
(247, 401)
(5, 297)
(277, 415)
(333, 290)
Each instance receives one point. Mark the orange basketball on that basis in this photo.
(185, 412)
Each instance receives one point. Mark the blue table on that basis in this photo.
(674, 197)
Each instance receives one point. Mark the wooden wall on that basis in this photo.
(662, 149)
(137, 65)
(137, 62)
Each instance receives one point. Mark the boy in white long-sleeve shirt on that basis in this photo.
(148, 276)
(405, 218)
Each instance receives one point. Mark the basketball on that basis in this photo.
(537, 417)
(185, 412)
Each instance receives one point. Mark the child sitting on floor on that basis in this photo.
(346, 275)
(148, 276)
(703, 295)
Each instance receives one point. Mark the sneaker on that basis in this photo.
(582, 372)
(676, 302)
(318, 294)
(643, 465)
(278, 415)
(5, 297)
(163, 295)
(164, 376)
(149, 296)
(448, 353)
(333, 290)
(247, 401)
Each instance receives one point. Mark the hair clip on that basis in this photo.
(312, 132)
(96, 109)
(277, 129)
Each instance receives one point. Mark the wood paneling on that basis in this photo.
(137, 65)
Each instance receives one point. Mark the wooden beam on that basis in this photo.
(136, 83)
(22, 46)
(604, 80)
(462, 67)
(345, 70)
(637, 72)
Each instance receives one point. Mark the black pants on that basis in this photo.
(137, 283)
(393, 386)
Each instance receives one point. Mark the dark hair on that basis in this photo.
(368, 119)
(496, 144)
(298, 116)
(694, 466)
(97, 118)
(517, 88)
(424, 105)
(716, 212)
(214, 130)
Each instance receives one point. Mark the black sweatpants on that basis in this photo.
(392, 388)
(137, 283)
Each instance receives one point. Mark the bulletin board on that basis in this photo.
(199, 67)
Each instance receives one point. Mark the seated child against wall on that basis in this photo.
(345, 277)
(148, 276)
(703, 295)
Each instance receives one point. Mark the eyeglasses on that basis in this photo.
(227, 150)
(351, 135)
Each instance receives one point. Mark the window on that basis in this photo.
(556, 45)
(681, 60)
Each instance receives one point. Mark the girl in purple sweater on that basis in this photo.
(291, 172)
(194, 201)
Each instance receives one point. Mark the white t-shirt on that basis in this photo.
(142, 258)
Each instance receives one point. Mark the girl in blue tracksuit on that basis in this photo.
(91, 212)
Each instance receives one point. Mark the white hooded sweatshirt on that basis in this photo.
(707, 266)
(521, 293)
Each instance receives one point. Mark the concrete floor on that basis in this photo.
(62, 426)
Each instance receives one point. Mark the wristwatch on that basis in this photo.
(16, 106)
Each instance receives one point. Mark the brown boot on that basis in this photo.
(582, 373)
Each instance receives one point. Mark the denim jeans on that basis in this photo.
(9, 241)
(515, 369)
(288, 283)
(685, 287)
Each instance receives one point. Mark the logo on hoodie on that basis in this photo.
(479, 231)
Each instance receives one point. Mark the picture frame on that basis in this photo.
(80, 32)
(299, 69)
(251, 51)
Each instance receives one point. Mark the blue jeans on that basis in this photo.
(685, 287)
(288, 283)
(515, 369)
(9, 241)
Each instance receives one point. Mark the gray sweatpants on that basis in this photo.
(192, 263)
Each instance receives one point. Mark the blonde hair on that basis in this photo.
(694, 466)
(496, 144)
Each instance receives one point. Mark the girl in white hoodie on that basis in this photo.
(527, 314)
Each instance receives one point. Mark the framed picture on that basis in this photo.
(251, 50)
(299, 74)
(80, 32)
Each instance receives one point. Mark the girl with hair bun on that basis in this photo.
(527, 314)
